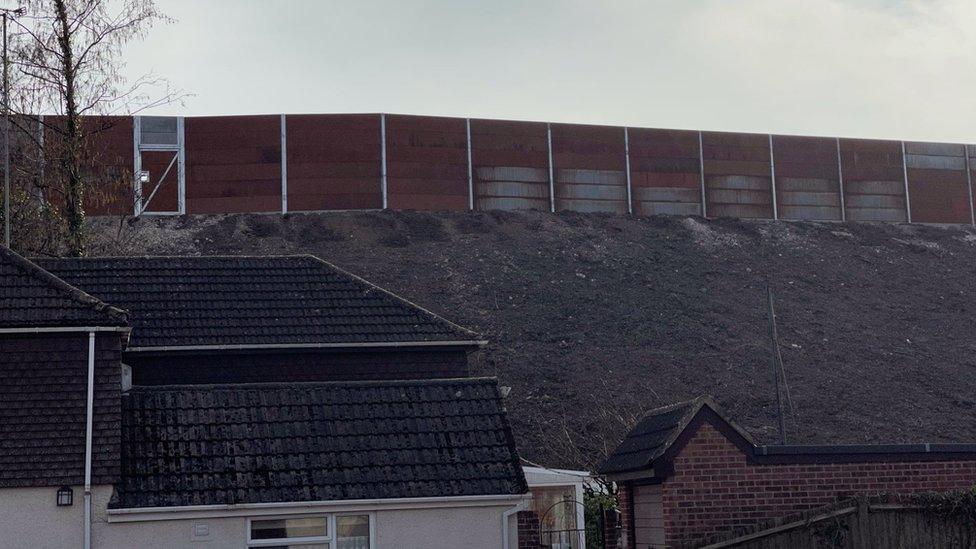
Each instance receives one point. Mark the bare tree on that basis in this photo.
(67, 56)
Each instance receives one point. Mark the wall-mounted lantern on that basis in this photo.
(65, 496)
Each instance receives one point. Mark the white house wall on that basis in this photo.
(441, 528)
(30, 517)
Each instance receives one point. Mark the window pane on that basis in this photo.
(289, 528)
(352, 532)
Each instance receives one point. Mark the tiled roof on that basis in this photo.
(256, 443)
(32, 297)
(654, 435)
(649, 438)
(43, 409)
(200, 301)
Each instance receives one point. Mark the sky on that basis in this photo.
(860, 68)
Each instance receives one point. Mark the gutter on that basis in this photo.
(88, 437)
(255, 346)
(522, 506)
(182, 512)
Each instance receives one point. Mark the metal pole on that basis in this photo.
(969, 183)
(630, 192)
(284, 165)
(904, 169)
(467, 129)
(840, 183)
(772, 176)
(552, 183)
(701, 173)
(777, 362)
(383, 157)
(6, 141)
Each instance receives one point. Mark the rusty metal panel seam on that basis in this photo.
(701, 172)
(772, 177)
(467, 124)
(840, 182)
(630, 198)
(552, 182)
(969, 184)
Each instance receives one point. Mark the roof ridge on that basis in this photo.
(474, 335)
(300, 384)
(67, 290)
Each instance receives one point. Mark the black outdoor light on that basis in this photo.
(65, 496)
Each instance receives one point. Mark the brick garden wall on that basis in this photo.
(714, 488)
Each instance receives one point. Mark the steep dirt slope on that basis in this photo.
(594, 318)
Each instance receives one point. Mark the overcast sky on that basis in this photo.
(872, 68)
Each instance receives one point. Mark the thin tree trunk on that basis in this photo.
(74, 182)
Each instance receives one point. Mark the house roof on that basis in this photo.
(654, 435)
(252, 301)
(32, 297)
(260, 443)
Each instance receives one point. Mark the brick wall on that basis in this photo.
(715, 489)
(626, 515)
(528, 530)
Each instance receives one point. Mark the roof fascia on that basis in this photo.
(259, 346)
(146, 514)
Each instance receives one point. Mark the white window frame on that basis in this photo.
(330, 539)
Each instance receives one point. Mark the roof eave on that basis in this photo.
(298, 346)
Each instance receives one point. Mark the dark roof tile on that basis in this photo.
(197, 301)
(223, 444)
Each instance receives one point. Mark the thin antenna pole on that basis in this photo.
(777, 363)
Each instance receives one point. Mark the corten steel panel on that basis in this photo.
(334, 162)
(874, 180)
(807, 178)
(511, 165)
(109, 152)
(166, 197)
(589, 168)
(971, 151)
(426, 163)
(665, 172)
(937, 187)
(738, 176)
(233, 164)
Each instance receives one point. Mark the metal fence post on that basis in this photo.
(840, 182)
(701, 172)
(772, 176)
(467, 125)
(630, 195)
(383, 157)
(552, 183)
(904, 169)
(969, 183)
(284, 165)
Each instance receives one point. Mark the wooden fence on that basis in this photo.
(861, 525)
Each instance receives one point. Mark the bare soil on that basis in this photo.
(594, 319)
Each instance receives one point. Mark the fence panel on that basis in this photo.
(333, 162)
(511, 165)
(233, 164)
(807, 178)
(665, 172)
(874, 180)
(589, 165)
(427, 163)
(738, 175)
(937, 187)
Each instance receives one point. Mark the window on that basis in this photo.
(311, 532)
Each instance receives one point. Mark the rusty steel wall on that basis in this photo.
(233, 164)
(738, 175)
(167, 196)
(971, 162)
(874, 180)
(333, 162)
(510, 161)
(938, 188)
(807, 178)
(665, 172)
(427, 163)
(589, 167)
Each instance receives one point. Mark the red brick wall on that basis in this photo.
(713, 489)
(626, 515)
(528, 530)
